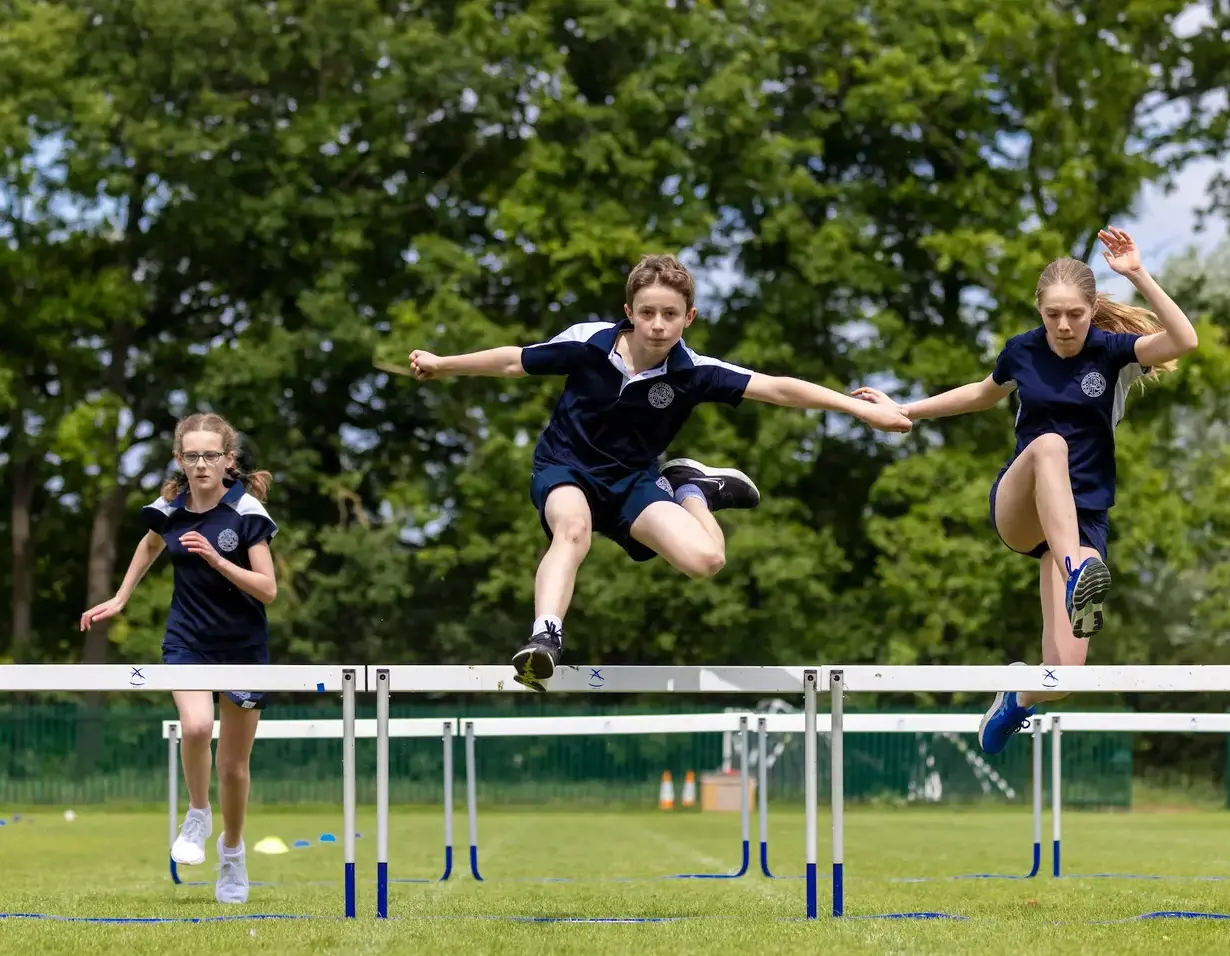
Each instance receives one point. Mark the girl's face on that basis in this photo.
(659, 315)
(1067, 315)
(203, 460)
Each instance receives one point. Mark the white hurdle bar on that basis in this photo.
(292, 678)
(843, 679)
(334, 729)
(617, 724)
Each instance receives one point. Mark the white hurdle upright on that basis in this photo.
(461, 679)
(294, 678)
(613, 724)
(843, 679)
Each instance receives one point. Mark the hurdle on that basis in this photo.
(620, 724)
(292, 678)
(365, 729)
(895, 724)
(461, 679)
(1182, 723)
(847, 679)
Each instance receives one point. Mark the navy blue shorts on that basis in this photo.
(248, 700)
(613, 505)
(1092, 524)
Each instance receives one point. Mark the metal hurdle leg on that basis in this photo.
(382, 794)
(837, 753)
(745, 808)
(762, 772)
(762, 797)
(810, 785)
(1037, 788)
(472, 798)
(448, 800)
(745, 813)
(1056, 792)
(173, 795)
(348, 787)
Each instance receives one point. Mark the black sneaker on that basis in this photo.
(535, 663)
(723, 487)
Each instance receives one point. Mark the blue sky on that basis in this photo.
(1164, 223)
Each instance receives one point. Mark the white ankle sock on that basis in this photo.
(540, 625)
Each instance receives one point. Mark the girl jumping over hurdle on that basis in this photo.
(1072, 374)
(630, 387)
(211, 520)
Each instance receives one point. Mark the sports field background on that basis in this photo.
(574, 865)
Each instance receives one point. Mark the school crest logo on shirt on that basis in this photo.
(228, 540)
(1093, 384)
(661, 395)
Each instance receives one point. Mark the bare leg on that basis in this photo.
(688, 539)
(1059, 645)
(196, 721)
(708, 523)
(1034, 502)
(235, 739)
(568, 516)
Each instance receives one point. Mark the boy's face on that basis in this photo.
(659, 315)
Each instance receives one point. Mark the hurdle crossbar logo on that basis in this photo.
(1048, 678)
(595, 677)
(136, 678)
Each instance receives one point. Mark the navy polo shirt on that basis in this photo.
(609, 422)
(207, 611)
(1081, 398)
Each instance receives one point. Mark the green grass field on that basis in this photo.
(113, 864)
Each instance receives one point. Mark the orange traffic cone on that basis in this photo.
(666, 792)
(689, 790)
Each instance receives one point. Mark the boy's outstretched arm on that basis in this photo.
(502, 362)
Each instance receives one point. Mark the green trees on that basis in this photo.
(246, 207)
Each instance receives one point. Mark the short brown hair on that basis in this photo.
(1108, 315)
(661, 270)
(256, 484)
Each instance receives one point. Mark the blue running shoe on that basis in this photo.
(1005, 718)
(1087, 588)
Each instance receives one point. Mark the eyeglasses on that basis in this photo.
(192, 457)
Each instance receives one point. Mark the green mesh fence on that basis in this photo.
(48, 756)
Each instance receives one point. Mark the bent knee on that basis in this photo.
(573, 531)
(704, 562)
(1049, 445)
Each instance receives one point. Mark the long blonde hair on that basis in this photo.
(1108, 315)
(256, 484)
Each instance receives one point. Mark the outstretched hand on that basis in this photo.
(101, 612)
(425, 365)
(1121, 253)
(883, 413)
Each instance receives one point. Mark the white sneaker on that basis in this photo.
(189, 846)
(232, 876)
